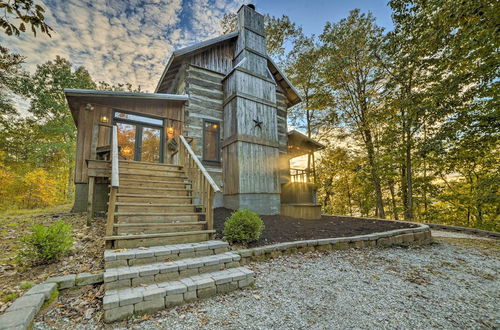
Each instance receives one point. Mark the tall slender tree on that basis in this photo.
(353, 74)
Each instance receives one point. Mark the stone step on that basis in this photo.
(134, 276)
(154, 254)
(145, 240)
(120, 304)
(151, 227)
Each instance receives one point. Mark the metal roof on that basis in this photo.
(135, 95)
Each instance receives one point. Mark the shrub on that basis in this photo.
(46, 244)
(244, 226)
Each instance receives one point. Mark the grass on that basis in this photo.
(34, 212)
(9, 297)
(481, 244)
(26, 285)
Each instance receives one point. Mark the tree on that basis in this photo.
(301, 68)
(49, 109)
(10, 72)
(354, 76)
(278, 30)
(38, 190)
(26, 11)
(125, 87)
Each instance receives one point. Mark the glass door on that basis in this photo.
(140, 138)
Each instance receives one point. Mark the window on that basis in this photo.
(211, 139)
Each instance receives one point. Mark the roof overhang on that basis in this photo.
(77, 97)
(291, 93)
(300, 144)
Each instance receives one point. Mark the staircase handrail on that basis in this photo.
(115, 181)
(202, 184)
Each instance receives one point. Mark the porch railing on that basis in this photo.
(301, 175)
(115, 182)
(203, 186)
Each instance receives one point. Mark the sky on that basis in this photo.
(121, 41)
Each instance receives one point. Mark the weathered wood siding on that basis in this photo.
(204, 87)
(218, 58)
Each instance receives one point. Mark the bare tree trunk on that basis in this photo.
(408, 179)
(374, 173)
(393, 199)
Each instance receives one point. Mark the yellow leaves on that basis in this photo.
(38, 189)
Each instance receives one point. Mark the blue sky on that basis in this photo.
(122, 41)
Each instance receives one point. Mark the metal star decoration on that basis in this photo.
(258, 123)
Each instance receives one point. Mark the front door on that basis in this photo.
(140, 138)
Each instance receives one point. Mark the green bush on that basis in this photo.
(244, 226)
(46, 244)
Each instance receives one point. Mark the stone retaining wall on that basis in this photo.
(22, 312)
(408, 236)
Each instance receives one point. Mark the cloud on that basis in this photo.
(121, 41)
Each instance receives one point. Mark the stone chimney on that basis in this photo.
(250, 148)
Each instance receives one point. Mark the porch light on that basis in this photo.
(170, 132)
(214, 126)
(127, 151)
(104, 119)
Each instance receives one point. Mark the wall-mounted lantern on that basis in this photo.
(104, 119)
(170, 133)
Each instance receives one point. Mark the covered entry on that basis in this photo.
(148, 129)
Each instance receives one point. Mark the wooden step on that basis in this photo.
(153, 199)
(152, 173)
(147, 207)
(131, 189)
(135, 164)
(145, 240)
(139, 217)
(152, 228)
(152, 169)
(141, 182)
(149, 177)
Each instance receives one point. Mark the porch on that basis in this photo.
(298, 194)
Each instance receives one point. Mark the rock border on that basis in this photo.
(419, 235)
(22, 312)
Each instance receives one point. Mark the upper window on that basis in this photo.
(138, 118)
(211, 139)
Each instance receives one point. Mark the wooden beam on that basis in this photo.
(90, 200)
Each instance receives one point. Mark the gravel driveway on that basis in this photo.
(438, 286)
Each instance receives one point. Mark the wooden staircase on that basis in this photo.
(154, 204)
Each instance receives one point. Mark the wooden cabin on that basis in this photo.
(213, 134)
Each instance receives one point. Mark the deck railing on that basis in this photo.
(203, 186)
(115, 182)
(301, 175)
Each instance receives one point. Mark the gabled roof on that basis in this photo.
(180, 54)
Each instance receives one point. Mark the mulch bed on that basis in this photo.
(279, 228)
